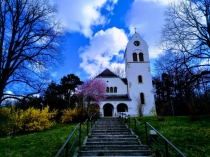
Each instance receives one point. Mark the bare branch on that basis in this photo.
(187, 32)
(29, 39)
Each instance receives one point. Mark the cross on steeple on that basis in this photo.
(135, 29)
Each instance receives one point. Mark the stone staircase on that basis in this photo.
(110, 137)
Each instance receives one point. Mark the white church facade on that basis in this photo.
(125, 94)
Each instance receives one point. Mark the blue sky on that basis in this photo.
(100, 29)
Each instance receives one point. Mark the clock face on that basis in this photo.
(136, 43)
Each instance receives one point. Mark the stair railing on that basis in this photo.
(151, 137)
(76, 134)
(165, 140)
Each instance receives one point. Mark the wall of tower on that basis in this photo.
(135, 87)
(131, 48)
(136, 67)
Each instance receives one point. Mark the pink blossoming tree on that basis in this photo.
(92, 91)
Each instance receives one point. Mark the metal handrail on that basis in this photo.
(67, 141)
(66, 144)
(167, 142)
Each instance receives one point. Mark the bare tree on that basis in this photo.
(139, 106)
(119, 71)
(29, 45)
(176, 89)
(172, 77)
(187, 32)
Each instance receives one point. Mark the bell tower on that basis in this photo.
(137, 67)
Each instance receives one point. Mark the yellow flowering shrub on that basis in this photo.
(10, 120)
(94, 108)
(29, 120)
(72, 115)
(36, 120)
(67, 115)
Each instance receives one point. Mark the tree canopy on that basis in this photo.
(183, 70)
(30, 37)
(92, 91)
(174, 85)
(68, 85)
(63, 92)
(187, 32)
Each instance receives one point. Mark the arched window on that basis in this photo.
(141, 56)
(115, 89)
(134, 56)
(107, 89)
(140, 78)
(111, 89)
(142, 98)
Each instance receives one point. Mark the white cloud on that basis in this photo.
(148, 21)
(154, 51)
(81, 15)
(104, 51)
(54, 74)
(163, 2)
(9, 92)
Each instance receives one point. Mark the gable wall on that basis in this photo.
(116, 82)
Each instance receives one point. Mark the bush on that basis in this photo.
(77, 114)
(10, 120)
(36, 120)
(193, 110)
(29, 120)
(93, 108)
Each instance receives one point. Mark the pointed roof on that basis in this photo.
(124, 80)
(136, 35)
(107, 73)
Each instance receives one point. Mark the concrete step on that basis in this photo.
(113, 143)
(110, 130)
(115, 156)
(113, 136)
(109, 139)
(114, 152)
(110, 133)
(115, 147)
(110, 126)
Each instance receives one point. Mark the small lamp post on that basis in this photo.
(42, 105)
(172, 106)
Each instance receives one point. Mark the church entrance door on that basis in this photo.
(122, 108)
(108, 110)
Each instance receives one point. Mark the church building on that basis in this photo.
(127, 94)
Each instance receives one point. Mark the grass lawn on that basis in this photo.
(191, 137)
(42, 144)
